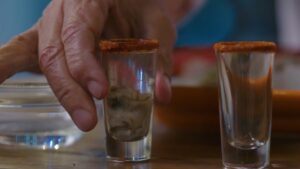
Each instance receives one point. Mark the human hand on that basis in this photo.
(63, 44)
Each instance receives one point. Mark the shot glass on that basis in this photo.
(245, 102)
(130, 66)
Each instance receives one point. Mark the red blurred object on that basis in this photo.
(196, 107)
(182, 55)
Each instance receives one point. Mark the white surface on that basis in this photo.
(288, 19)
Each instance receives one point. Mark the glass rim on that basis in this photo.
(128, 45)
(245, 46)
(12, 90)
(24, 85)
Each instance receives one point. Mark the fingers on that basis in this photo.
(19, 54)
(163, 91)
(83, 22)
(54, 65)
(160, 27)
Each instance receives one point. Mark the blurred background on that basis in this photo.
(17, 16)
(201, 23)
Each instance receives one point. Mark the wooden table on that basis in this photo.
(171, 150)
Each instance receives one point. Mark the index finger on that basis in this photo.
(83, 23)
(73, 97)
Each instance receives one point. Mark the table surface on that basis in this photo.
(171, 150)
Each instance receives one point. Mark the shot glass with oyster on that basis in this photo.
(130, 70)
(128, 113)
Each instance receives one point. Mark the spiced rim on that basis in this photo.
(128, 45)
(245, 46)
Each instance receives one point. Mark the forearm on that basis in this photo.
(18, 55)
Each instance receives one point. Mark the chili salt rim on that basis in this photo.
(244, 46)
(128, 45)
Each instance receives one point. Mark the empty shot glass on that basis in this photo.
(245, 101)
(130, 67)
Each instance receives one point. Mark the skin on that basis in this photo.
(63, 46)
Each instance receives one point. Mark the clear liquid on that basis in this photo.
(127, 114)
(42, 140)
(41, 125)
(31, 116)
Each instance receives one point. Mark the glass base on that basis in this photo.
(42, 140)
(247, 166)
(237, 158)
(135, 151)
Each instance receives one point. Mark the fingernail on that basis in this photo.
(83, 120)
(163, 92)
(167, 80)
(95, 89)
(168, 89)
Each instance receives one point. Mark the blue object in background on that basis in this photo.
(212, 22)
(256, 20)
(229, 20)
(218, 20)
(16, 16)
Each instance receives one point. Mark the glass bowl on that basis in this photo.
(31, 116)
